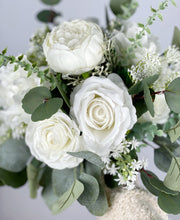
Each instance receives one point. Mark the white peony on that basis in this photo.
(74, 47)
(129, 30)
(161, 111)
(103, 109)
(50, 140)
(13, 87)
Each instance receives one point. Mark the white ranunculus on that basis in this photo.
(129, 30)
(74, 47)
(13, 87)
(161, 110)
(50, 140)
(103, 109)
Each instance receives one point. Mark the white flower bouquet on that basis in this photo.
(77, 108)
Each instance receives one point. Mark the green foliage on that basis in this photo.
(145, 130)
(34, 98)
(62, 180)
(99, 207)
(89, 156)
(176, 37)
(159, 185)
(40, 104)
(14, 155)
(47, 16)
(68, 197)
(34, 173)
(91, 189)
(148, 99)
(162, 154)
(50, 2)
(172, 180)
(169, 203)
(47, 109)
(49, 196)
(13, 179)
(174, 132)
(123, 8)
(146, 175)
(172, 95)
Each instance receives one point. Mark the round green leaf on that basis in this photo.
(169, 203)
(47, 109)
(172, 95)
(47, 16)
(161, 155)
(34, 98)
(13, 179)
(91, 189)
(50, 2)
(14, 155)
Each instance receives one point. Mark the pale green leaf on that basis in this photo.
(148, 99)
(68, 197)
(89, 156)
(14, 155)
(91, 189)
(174, 133)
(172, 180)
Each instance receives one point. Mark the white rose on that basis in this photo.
(129, 30)
(13, 87)
(161, 111)
(50, 140)
(104, 111)
(74, 47)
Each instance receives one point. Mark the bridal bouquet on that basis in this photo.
(77, 108)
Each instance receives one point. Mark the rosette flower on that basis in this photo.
(50, 140)
(74, 47)
(103, 109)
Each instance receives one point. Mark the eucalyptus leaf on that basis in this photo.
(176, 37)
(47, 16)
(162, 159)
(89, 156)
(62, 180)
(49, 196)
(14, 155)
(99, 207)
(172, 95)
(146, 175)
(139, 87)
(93, 170)
(91, 189)
(34, 98)
(50, 2)
(169, 203)
(13, 179)
(68, 197)
(174, 133)
(47, 109)
(172, 179)
(148, 99)
(159, 185)
(34, 173)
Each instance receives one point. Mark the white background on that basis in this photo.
(17, 24)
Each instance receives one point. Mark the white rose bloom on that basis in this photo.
(129, 30)
(13, 87)
(161, 111)
(50, 140)
(74, 47)
(103, 109)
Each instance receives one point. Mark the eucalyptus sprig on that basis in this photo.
(20, 62)
(129, 52)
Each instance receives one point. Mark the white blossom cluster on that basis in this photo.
(166, 66)
(120, 164)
